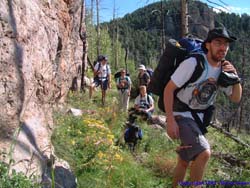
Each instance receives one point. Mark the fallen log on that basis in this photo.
(218, 126)
(231, 159)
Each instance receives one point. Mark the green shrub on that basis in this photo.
(15, 180)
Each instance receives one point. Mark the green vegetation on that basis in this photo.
(10, 177)
(93, 145)
(16, 179)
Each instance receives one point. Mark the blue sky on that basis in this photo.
(123, 7)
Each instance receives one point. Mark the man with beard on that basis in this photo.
(185, 120)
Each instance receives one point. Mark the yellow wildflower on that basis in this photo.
(118, 157)
(100, 155)
(110, 136)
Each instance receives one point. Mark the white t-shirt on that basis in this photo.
(104, 70)
(202, 93)
(147, 100)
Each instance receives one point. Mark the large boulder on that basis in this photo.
(40, 54)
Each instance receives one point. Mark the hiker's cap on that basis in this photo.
(141, 67)
(100, 58)
(105, 58)
(219, 33)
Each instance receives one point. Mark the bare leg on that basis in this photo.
(198, 167)
(180, 171)
(91, 89)
(103, 96)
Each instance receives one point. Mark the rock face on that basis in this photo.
(40, 53)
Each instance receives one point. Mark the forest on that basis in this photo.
(137, 38)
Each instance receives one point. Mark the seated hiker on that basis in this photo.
(123, 84)
(144, 103)
(102, 77)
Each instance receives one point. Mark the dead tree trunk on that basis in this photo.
(98, 29)
(83, 37)
(184, 18)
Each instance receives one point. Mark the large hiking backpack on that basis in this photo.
(150, 72)
(118, 75)
(174, 54)
(131, 136)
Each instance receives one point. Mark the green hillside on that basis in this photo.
(140, 31)
(94, 146)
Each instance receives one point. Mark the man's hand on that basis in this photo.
(228, 67)
(173, 130)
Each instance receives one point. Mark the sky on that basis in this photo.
(123, 7)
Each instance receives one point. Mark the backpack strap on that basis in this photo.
(148, 100)
(127, 85)
(99, 66)
(199, 68)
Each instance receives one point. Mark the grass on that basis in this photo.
(10, 177)
(93, 145)
(15, 179)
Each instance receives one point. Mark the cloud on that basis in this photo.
(240, 10)
(231, 9)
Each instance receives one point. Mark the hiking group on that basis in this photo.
(187, 79)
(144, 103)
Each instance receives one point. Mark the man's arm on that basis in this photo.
(152, 106)
(129, 86)
(172, 127)
(136, 104)
(236, 93)
(109, 77)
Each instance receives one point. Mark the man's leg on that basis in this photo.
(104, 87)
(198, 166)
(91, 89)
(126, 100)
(103, 96)
(179, 172)
(120, 99)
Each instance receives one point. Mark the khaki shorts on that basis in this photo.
(191, 135)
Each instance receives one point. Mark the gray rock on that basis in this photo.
(40, 52)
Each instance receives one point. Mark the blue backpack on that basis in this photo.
(150, 72)
(175, 53)
(132, 134)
